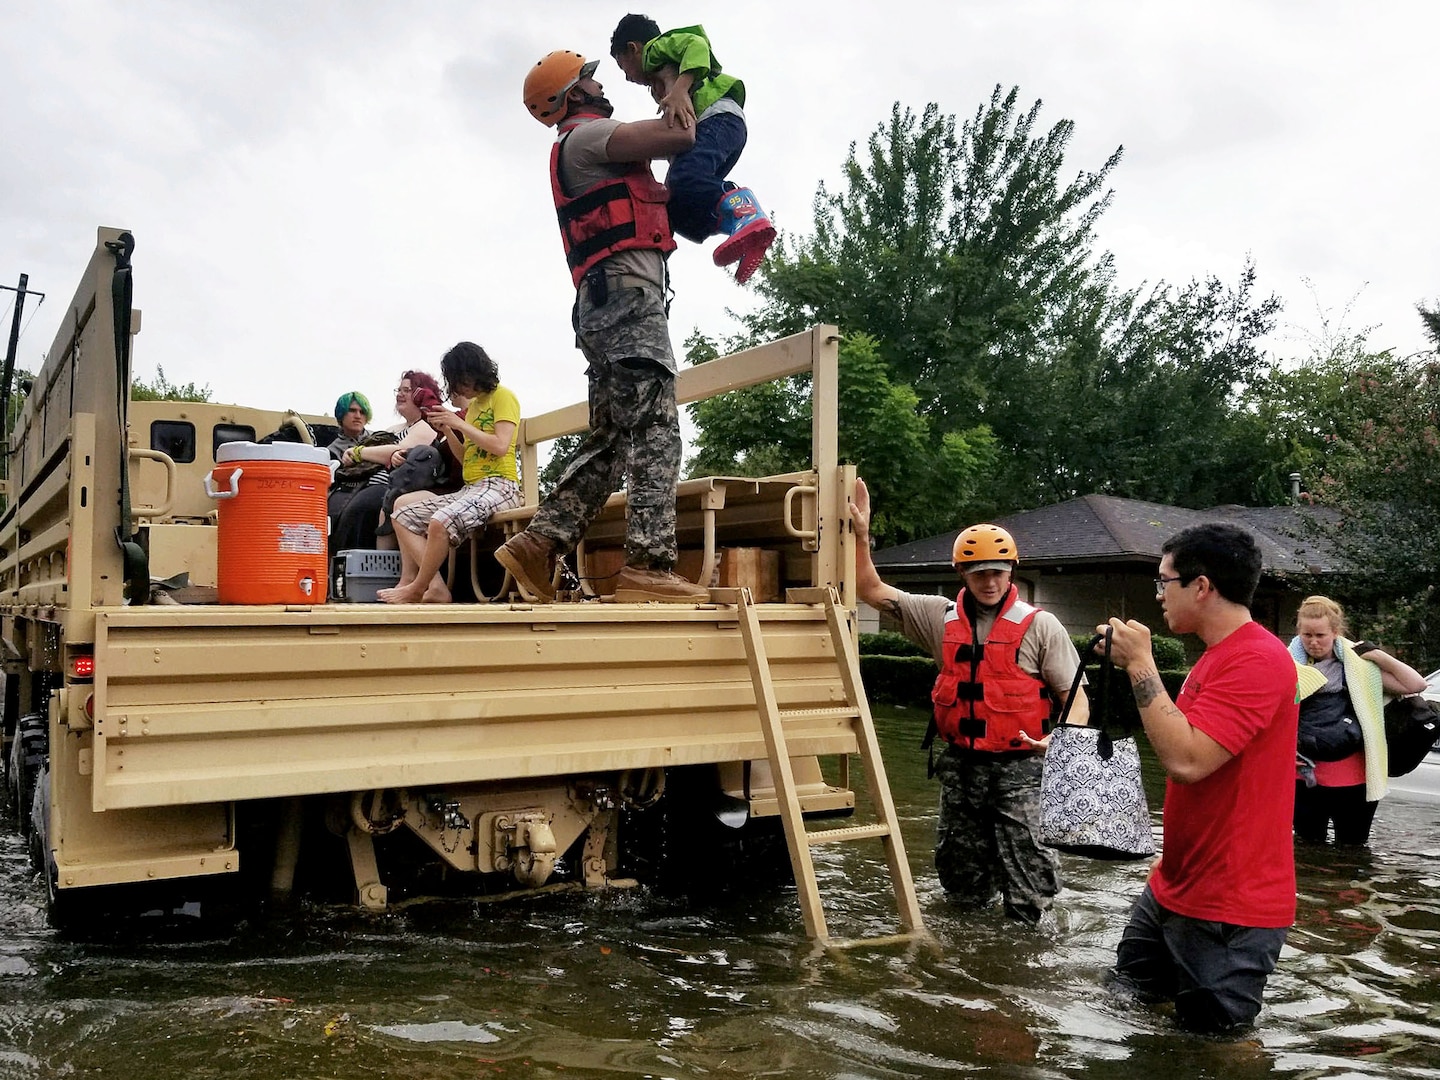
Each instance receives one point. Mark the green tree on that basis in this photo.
(1315, 413)
(1143, 396)
(561, 450)
(1380, 469)
(968, 261)
(162, 389)
(765, 430)
(955, 251)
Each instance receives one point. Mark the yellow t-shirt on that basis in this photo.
(484, 412)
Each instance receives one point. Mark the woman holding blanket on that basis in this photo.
(1341, 754)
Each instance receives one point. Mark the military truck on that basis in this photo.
(156, 737)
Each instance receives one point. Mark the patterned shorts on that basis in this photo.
(463, 512)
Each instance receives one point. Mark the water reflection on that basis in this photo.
(627, 984)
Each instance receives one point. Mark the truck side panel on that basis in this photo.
(275, 703)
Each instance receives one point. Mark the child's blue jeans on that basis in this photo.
(697, 177)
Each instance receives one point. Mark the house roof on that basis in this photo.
(1109, 529)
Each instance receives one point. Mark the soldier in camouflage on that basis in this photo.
(992, 648)
(600, 175)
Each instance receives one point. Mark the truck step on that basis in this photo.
(849, 832)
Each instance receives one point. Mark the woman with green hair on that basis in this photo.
(352, 413)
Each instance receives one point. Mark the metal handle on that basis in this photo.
(801, 534)
(234, 485)
(169, 463)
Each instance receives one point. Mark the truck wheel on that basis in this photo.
(29, 753)
(62, 908)
(38, 815)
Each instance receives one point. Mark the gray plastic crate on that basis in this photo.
(357, 575)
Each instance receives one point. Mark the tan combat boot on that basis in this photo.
(637, 584)
(530, 558)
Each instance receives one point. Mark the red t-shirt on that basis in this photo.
(1228, 853)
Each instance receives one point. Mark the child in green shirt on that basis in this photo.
(688, 83)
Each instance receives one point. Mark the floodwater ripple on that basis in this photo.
(630, 984)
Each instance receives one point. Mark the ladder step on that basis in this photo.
(850, 832)
(919, 936)
(836, 712)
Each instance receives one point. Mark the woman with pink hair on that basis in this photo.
(415, 393)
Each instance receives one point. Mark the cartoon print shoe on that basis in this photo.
(749, 232)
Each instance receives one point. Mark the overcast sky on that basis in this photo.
(324, 194)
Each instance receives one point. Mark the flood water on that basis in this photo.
(628, 984)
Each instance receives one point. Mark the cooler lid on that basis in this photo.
(249, 451)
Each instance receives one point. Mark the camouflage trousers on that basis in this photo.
(988, 838)
(634, 433)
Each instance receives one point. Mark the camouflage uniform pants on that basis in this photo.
(634, 430)
(988, 837)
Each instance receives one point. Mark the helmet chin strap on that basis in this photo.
(595, 103)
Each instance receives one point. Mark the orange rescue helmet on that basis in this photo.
(554, 76)
(988, 544)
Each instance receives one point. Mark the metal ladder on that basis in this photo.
(798, 838)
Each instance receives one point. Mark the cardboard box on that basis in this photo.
(755, 568)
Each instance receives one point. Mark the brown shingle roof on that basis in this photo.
(1109, 529)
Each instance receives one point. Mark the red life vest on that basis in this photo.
(983, 699)
(623, 214)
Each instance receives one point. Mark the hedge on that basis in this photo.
(1169, 652)
(898, 680)
(889, 643)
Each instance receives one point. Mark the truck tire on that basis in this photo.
(39, 813)
(62, 908)
(28, 754)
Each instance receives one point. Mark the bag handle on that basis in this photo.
(1104, 745)
(1106, 666)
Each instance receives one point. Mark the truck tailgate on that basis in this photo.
(207, 704)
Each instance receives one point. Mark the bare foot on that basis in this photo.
(437, 593)
(402, 594)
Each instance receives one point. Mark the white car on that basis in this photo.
(1424, 781)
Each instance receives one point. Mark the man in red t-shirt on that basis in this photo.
(1207, 930)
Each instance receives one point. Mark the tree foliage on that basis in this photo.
(561, 452)
(961, 264)
(765, 430)
(162, 389)
(1376, 458)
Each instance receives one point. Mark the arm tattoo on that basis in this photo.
(1147, 687)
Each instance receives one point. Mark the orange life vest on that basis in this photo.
(622, 214)
(983, 699)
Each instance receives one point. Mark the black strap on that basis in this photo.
(137, 563)
(591, 200)
(1100, 703)
(582, 252)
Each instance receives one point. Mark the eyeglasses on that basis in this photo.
(1161, 582)
(402, 391)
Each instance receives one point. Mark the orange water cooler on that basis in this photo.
(273, 530)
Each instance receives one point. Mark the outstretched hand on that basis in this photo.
(860, 508)
(1035, 744)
